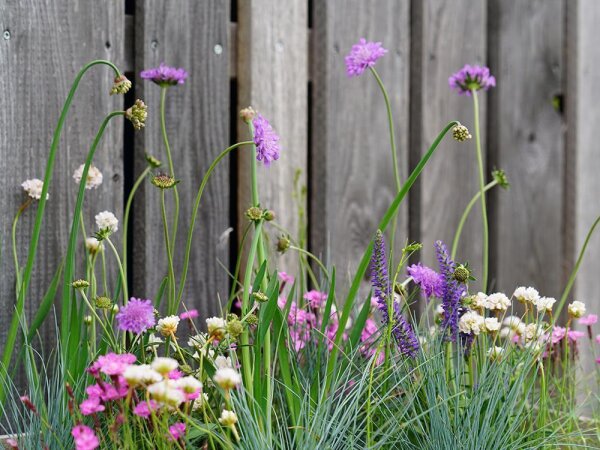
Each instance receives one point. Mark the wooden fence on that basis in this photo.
(285, 58)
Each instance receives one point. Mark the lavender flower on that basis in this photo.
(402, 330)
(452, 291)
(266, 140)
(164, 75)
(430, 282)
(362, 56)
(471, 78)
(136, 316)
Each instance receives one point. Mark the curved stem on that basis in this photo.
(466, 213)
(171, 299)
(484, 217)
(163, 128)
(134, 189)
(22, 208)
(313, 257)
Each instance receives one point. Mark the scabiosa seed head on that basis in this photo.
(462, 273)
(136, 316)
(260, 297)
(252, 319)
(94, 176)
(235, 328)
(247, 114)
(164, 75)
(103, 302)
(461, 133)
(33, 188)
(266, 141)
(254, 213)
(152, 161)
(80, 284)
(500, 176)
(283, 243)
(137, 114)
(453, 291)
(163, 181)
(363, 55)
(472, 78)
(121, 85)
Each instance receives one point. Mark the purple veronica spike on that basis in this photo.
(362, 56)
(266, 140)
(472, 78)
(430, 282)
(136, 316)
(452, 291)
(402, 330)
(164, 75)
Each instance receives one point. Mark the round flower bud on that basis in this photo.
(235, 328)
(115, 308)
(254, 213)
(501, 179)
(121, 85)
(137, 114)
(103, 302)
(269, 215)
(247, 114)
(228, 418)
(80, 284)
(152, 161)
(252, 319)
(227, 378)
(93, 245)
(283, 244)
(462, 274)
(163, 181)
(87, 320)
(576, 309)
(461, 133)
(260, 297)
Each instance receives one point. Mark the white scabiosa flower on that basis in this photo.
(94, 176)
(216, 327)
(471, 323)
(222, 362)
(491, 324)
(228, 418)
(576, 309)
(227, 378)
(544, 304)
(497, 301)
(93, 245)
(164, 365)
(166, 392)
(526, 295)
(167, 326)
(106, 220)
(495, 353)
(33, 188)
(141, 375)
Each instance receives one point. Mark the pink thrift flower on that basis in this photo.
(315, 298)
(285, 278)
(175, 374)
(574, 335)
(558, 333)
(113, 364)
(176, 431)
(598, 339)
(85, 439)
(588, 320)
(12, 443)
(191, 314)
(598, 360)
(145, 409)
(91, 406)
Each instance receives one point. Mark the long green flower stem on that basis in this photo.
(22, 292)
(134, 189)
(171, 304)
(163, 128)
(484, 218)
(121, 270)
(188, 246)
(22, 208)
(466, 213)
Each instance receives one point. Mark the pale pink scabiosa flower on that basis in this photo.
(472, 78)
(190, 314)
(94, 176)
(266, 141)
(85, 439)
(315, 299)
(176, 431)
(164, 75)
(33, 188)
(362, 56)
(588, 320)
(430, 282)
(575, 335)
(136, 316)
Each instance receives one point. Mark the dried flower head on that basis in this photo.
(461, 133)
(500, 177)
(266, 141)
(163, 181)
(363, 55)
(152, 161)
(103, 302)
(137, 114)
(121, 85)
(136, 316)
(164, 75)
(254, 213)
(80, 284)
(471, 78)
(33, 188)
(247, 114)
(93, 179)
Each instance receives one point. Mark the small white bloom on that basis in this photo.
(141, 375)
(507, 333)
(198, 341)
(93, 245)
(227, 378)
(153, 341)
(189, 385)
(167, 326)
(164, 365)
(94, 176)
(471, 322)
(497, 301)
(166, 392)
(491, 324)
(512, 322)
(479, 300)
(495, 352)
(439, 310)
(526, 295)
(115, 308)
(33, 188)
(544, 304)
(216, 327)
(228, 418)
(222, 362)
(532, 332)
(200, 402)
(576, 309)
(107, 221)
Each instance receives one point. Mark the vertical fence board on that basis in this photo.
(43, 47)
(352, 179)
(527, 142)
(272, 77)
(192, 35)
(453, 34)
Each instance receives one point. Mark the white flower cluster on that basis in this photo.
(530, 296)
(106, 220)
(576, 309)
(472, 322)
(167, 326)
(93, 179)
(33, 188)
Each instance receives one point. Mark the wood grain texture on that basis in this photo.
(192, 35)
(453, 34)
(272, 75)
(49, 41)
(527, 142)
(352, 179)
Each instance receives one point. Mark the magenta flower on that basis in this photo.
(136, 316)
(266, 140)
(430, 282)
(191, 314)
(112, 364)
(575, 335)
(177, 431)
(362, 56)
(315, 299)
(472, 78)
(598, 339)
(588, 320)
(85, 439)
(164, 75)
(91, 406)
(145, 409)
(558, 333)
(285, 278)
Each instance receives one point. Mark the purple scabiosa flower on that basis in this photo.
(471, 78)
(266, 140)
(164, 75)
(408, 342)
(136, 316)
(362, 56)
(452, 291)
(430, 282)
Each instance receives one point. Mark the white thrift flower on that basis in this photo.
(532, 332)
(222, 362)
(166, 392)
(507, 333)
(216, 327)
(228, 418)
(471, 323)
(227, 378)
(497, 301)
(167, 326)
(512, 322)
(153, 341)
(479, 300)
(141, 375)
(491, 324)
(198, 341)
(107, 221)
(164, 365)
(495, 353)
(439, 310)
(526, 295)
(94, 176)
(93, 245)
(544, 304)
(199, 403)
(189, 385)
(576, 309)
(33, 188)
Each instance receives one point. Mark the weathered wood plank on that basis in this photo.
(272, 76)
(192, 35)
(527, 141)
(352, 180)
(45, 43)
(452, 34)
